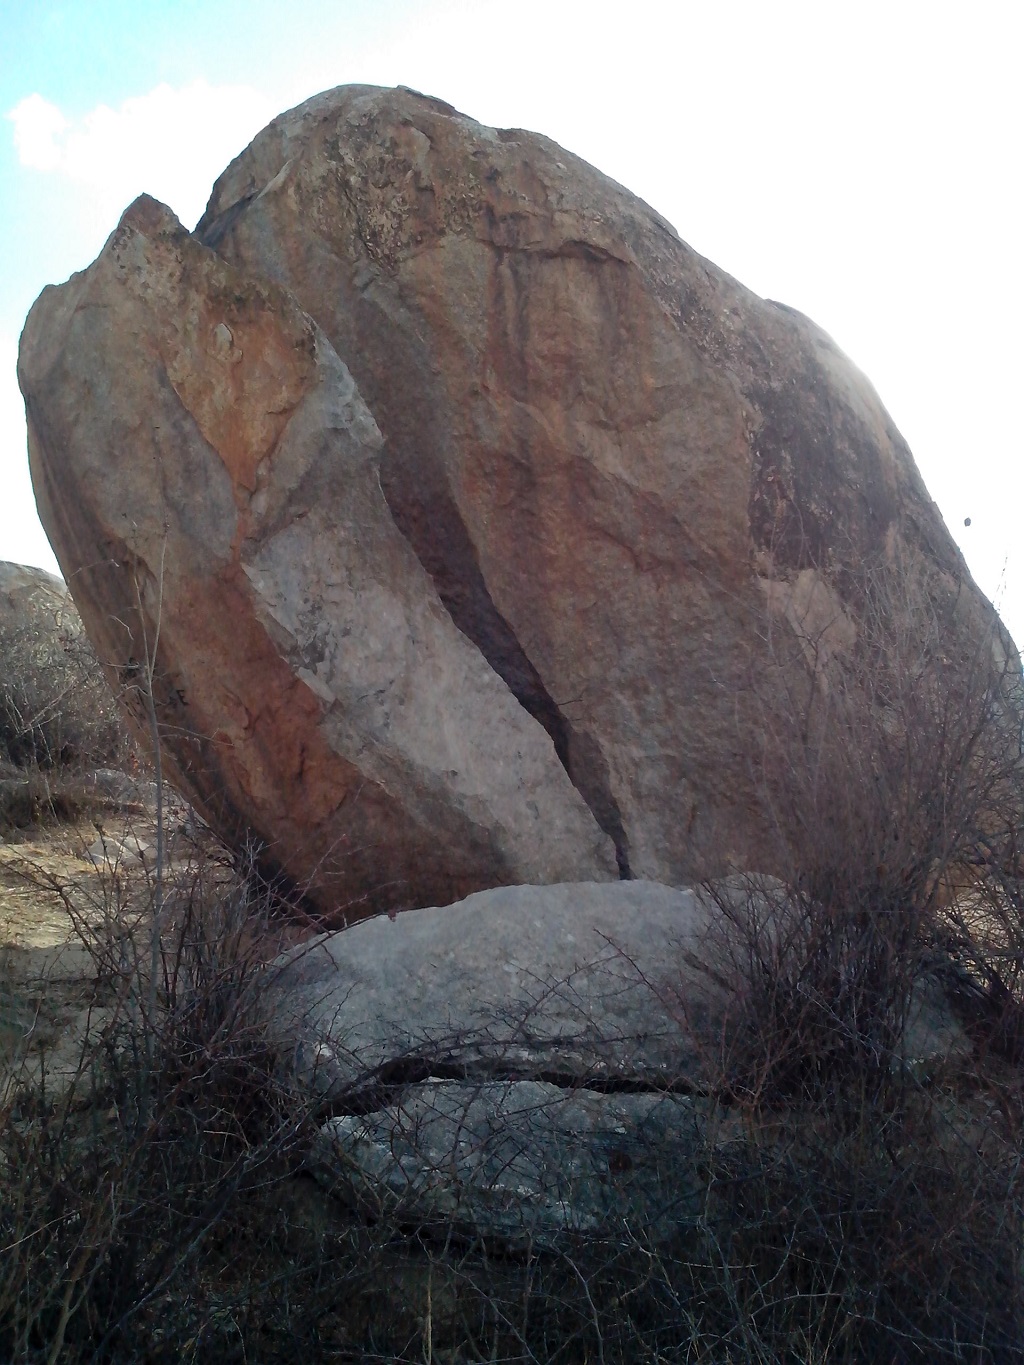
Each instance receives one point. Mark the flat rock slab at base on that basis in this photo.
(586, 979)
(534, 1060)
(521, 1162)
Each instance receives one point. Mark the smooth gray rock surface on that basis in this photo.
(534, 1060)
(587, 979)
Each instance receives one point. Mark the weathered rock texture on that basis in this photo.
(28, 595)
(586, 980)
(603, 984)
(533, 1059)
(207, 468)
(522, 1163)
(476, 553)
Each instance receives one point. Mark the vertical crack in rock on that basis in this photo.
(588, 771)
(433, 528)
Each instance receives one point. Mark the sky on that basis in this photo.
(858, 161)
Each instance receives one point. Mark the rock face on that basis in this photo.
(206, 465)
(461, 494)
(530, 1061)
(521, 1163)
(520, 1065)
(35, 588)
(579, 979)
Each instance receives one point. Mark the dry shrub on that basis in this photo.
(894, 780)
(860, 1206)
(117, 1174)
(58, 720)
(873, 1208)
(56, 709)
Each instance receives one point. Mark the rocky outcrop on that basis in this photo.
(474, 523)
(535, 1060)
(24, 589)
(209, 472)
(615, 462)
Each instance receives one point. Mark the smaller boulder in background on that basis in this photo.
(58, 719)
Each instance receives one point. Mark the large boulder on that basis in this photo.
(464, 511)
(615, 462)
(210, 476)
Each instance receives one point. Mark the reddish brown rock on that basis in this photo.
(474, 511)
(613, 460)
(208, 474)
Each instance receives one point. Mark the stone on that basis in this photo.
(109, 853)
(28, 592)
(595, 981)
(635, 484)
(517, 1067)
(122, 790)
(602, 984)
(55, 709)
(534, 1061)
(521, 1163)
(482, 525)
(210, 476)
(36, 616)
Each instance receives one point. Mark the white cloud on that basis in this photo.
(22, 539)
(38, 126)
(171, 143)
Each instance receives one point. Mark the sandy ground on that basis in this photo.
(58, 885)
(62, 887)
(41, 881)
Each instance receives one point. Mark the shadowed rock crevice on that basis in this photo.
(389, 1082)
(588, 770)
(431, 524)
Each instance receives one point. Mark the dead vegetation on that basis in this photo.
(859, 1203)
(58, 720)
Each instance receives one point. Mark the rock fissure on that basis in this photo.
(386, 1085)
(443, 546)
